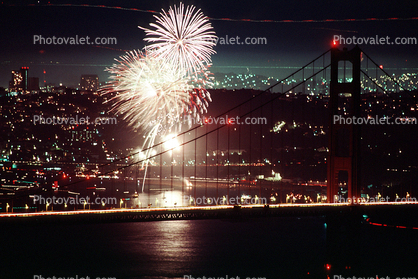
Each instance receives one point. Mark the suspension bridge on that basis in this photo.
(280, 151)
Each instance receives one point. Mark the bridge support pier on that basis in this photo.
(344, 136)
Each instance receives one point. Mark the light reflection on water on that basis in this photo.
(265, 247)
(164, 249)
(165, 246)
(217, 247)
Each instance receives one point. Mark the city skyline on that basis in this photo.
(133, 95)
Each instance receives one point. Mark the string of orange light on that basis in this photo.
(227, 19)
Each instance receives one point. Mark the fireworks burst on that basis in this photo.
(183, 37)
(153, 96)
(148, 91)
(157, 90)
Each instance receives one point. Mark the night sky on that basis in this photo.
(289, 44)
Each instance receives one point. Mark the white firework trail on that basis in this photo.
(148, 91)
(156, 90)
(151, 95)
(183, 37)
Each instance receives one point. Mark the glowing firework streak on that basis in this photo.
(182, 37)
(147, 91)
(157, 90)
(153, 96)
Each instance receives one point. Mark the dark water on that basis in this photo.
(265, 247)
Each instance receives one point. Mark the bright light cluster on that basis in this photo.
(167, 81)
(158, 88)
(183, 37)
(148, 91)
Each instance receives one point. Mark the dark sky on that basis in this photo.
(288, 44)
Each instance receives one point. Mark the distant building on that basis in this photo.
(33, 84)
(24, 71)
(89, 83)
(19, 80)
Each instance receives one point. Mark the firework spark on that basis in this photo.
(158, 90)
(183, 37)
(153, 96)
(148, 91)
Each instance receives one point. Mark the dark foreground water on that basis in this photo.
(256, 248)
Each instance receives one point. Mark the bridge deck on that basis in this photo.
(389, 214)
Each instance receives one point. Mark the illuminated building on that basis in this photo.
(19, 80)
